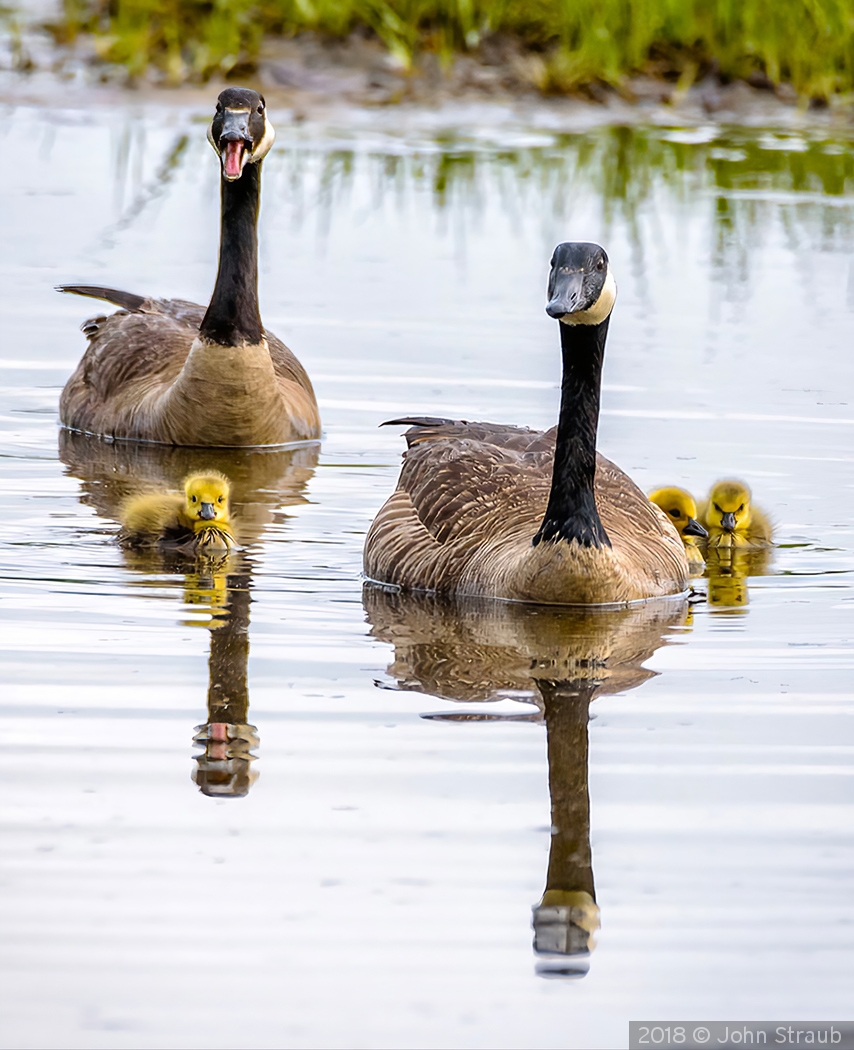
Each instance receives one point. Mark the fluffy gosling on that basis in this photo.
(197, 522)
(680, 507)
(732, 520)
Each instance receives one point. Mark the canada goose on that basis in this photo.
(196, 521)
(169, 371)
(731, 518)
(503, 512)
(680, 507)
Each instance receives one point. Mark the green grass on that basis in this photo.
(569, 43)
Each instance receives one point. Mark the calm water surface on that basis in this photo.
(424, 774)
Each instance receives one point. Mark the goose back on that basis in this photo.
(471, 496)
(146, 375)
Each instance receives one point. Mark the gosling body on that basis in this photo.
(680, 507)
(733, 520)
(196, 521)
(498, 511)
(149, 367)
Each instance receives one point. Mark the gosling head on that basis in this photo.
(206, 498)
(240, 132)
(680, 507)
(582, 289)
(729, 506)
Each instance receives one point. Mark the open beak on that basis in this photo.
(565, 291)
(207, 513)
(728, 521)
(235, 143)
(694, 528)
(232, 159)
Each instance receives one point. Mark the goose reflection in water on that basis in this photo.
(224, 766)
(262, 482)
(559, 660)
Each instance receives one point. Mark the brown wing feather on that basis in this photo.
(454, 484)
(124, 348)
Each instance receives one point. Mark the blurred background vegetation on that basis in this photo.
(568, 45)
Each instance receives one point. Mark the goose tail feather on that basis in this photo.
(127, 300)
(423, 421)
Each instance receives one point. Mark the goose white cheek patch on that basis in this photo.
(266, 143)
(603, 306)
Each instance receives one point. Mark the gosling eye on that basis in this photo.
(193, 498)
(740, 509)
(219, 500)
(674, 514)
(717, 508)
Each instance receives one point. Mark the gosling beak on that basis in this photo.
(694, 528)
(207, 513)
(728, 521)
(235, 143)
(566, 291)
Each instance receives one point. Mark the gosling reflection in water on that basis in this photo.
(727, 572)
(560, 660)
(261, 483)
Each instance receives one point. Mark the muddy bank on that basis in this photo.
(357, 80)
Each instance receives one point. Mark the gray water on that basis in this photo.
(423, 774)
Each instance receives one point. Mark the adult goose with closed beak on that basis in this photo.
(524, 515)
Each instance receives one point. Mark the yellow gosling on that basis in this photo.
(680, 507)
(196, 522)
(732, 519)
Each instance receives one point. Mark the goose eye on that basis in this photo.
(260, 108)
(219, 107)
(600, 265)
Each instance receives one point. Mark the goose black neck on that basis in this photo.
(571, 513)
(232, 317)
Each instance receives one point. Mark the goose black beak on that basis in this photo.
(694, 528)
(566, 289)
(728, 521)
(207, 513)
